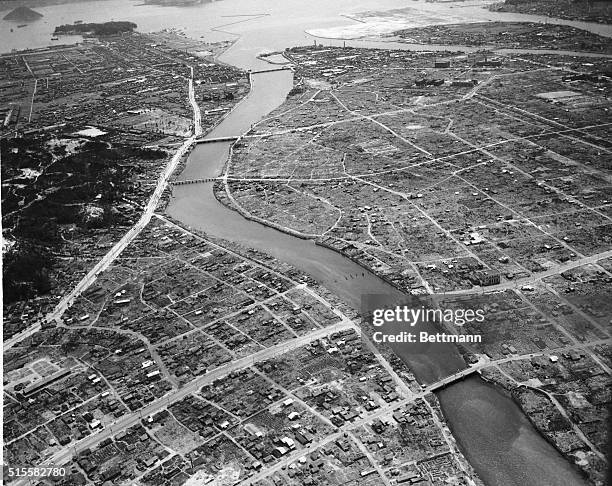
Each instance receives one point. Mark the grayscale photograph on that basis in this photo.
(306, 242)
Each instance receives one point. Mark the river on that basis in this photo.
(493, 433)
(491, 430)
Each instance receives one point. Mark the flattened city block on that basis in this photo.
(160, 330)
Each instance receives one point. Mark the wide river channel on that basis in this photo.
(491, 430)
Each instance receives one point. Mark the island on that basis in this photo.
(106, 28)
(23, 14)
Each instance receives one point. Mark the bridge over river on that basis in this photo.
(217, 139)
(194, 181)
(270, 70)
(460, 375)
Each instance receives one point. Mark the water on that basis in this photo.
(273, 25)
(491, 430)
(495, 436)
(499, 441)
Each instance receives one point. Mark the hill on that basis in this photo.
(23, 14)
(106, 28)
(6, 4)
(584, 10)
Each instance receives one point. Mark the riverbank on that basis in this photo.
(275, 265)
(503, 386)
(511, 428)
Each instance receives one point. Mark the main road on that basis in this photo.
(134, 231)
(133, 418)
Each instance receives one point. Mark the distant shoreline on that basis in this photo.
(10, 4)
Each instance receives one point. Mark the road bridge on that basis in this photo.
(438, 385)
(215, 140)
(270, 70)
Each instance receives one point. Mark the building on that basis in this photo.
(493, 62)
(485, 278)
(37, 385)
(464, 83)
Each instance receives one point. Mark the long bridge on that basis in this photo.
(193, 181)
(460, 375)
(215, 140)
(270, 70)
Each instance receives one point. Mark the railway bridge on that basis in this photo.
(193, 181)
